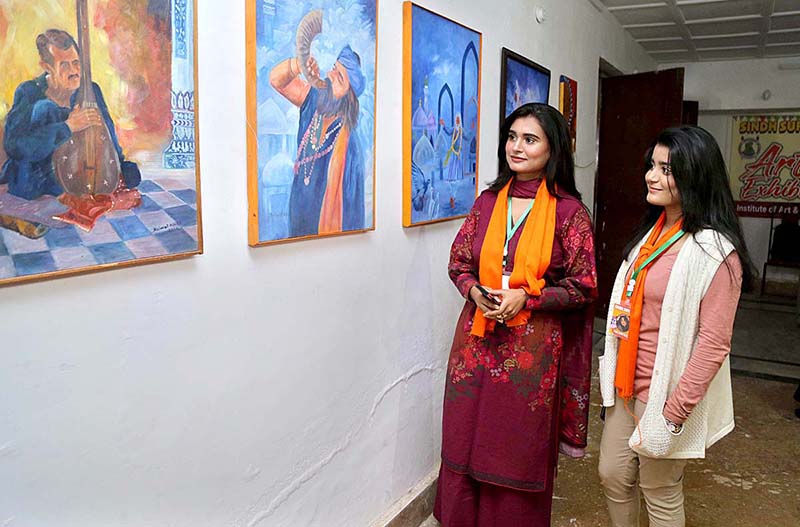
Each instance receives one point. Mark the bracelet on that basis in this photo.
(673, 428)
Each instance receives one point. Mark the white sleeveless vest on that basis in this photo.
(712, 418)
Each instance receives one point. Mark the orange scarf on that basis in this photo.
(531, 259)
(628, 349)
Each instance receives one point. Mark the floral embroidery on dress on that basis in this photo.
(504, 407)
(510, 355)
(460, 268)
(527, 358)
(574, 400)
(579, 285)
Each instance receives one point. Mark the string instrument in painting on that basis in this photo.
(88, 162)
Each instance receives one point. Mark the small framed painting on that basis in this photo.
(441, 109)
(568, 104)
(522, 81)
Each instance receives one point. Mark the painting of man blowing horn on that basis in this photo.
(97, 116)
(314, 115)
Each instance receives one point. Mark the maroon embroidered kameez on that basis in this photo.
(512, 395)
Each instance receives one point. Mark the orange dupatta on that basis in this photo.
(330, 215)
(531, 259)
(628, 349)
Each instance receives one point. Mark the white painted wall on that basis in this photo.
(294, 385)
(726, 88)
(739, 84)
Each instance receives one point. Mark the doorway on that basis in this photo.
(632, 110)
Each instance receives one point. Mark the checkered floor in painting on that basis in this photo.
(165, 223)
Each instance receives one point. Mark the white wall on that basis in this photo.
(726, 88)
(739, 84)
(293, 385)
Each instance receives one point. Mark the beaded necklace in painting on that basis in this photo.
(319, 146)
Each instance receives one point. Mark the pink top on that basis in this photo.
(717, 311)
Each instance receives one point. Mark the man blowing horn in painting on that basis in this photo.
(328, 187)
(43, 117)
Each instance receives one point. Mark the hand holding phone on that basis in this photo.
(488, 296)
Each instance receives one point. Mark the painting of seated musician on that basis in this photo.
(97, 124)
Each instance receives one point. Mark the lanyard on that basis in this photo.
(666, 245)
(510, 231)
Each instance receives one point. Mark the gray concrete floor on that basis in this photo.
(749, 478)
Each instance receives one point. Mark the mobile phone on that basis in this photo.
(487, 295)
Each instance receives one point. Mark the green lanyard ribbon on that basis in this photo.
(511, 230)
(666, 245)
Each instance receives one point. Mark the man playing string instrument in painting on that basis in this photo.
(328, 187)
(43, 117)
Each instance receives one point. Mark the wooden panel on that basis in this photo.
(691, 112)
(634, 109)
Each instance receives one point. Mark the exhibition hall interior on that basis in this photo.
(226, 275)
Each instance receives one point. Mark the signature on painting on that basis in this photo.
(167, 227)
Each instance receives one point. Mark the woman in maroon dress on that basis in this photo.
(518, 377)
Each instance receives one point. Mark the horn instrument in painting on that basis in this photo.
(88, 162)
(308, 28)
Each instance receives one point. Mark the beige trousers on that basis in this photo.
(660, 480)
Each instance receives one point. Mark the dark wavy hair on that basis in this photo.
(704, 188)
(58, 39)
(560, 168)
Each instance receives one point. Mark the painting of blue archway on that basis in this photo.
(441, 108)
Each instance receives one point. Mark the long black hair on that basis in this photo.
(560, 168)
(704, 188)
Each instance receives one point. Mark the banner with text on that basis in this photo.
(765, 164)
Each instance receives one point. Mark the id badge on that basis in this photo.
(620, 324)
(506, 280)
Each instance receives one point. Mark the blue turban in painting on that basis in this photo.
(348, 58)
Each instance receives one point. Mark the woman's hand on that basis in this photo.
(481, 301)
(512, 302)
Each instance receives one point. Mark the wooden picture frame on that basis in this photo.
(521, 81)
(568, 106)
(310, 147)
(145, 207)
(440, 151)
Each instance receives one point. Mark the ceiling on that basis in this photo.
(706, 30)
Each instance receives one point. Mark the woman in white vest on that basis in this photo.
(665, 374)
